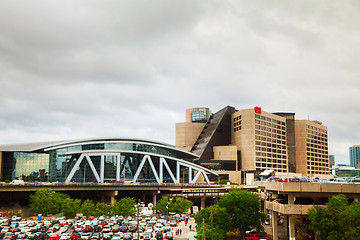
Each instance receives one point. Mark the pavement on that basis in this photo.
(186, 234)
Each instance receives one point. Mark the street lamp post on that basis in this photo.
(167, 207)
(212, 234)
(137, 218)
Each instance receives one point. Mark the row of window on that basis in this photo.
(316, 146)
(257, 116)
(316, 129)
(316, 150)
(237, 118)
(265, 149)
(317, 155)
(267, 134)
(268, 129)
(266, 139)
(270, 155)
(269, 124)
(318, 172)
(267, 144)
(237, 123)
(270, 165)
(319, 143)
(318, 164)
(324, 160)
(270, 160)
(320, 139)
(237, 128)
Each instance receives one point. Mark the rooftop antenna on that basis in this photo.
(308, 117)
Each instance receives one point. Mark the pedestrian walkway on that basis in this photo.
(186, 233)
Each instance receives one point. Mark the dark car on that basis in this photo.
(159, 235)
(133, 228)
(123, 228)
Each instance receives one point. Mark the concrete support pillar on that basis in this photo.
(265, 207)
(102, 199)
(291, 228)
(291, 198)
(286, 224)
(144, 198)
(112, 199)
(274, 224)
(154, 199)
(356, 198)
(202, 202)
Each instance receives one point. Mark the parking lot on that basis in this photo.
(115, 227)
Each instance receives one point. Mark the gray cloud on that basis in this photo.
(74, 69)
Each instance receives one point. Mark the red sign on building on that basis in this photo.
(257, 109)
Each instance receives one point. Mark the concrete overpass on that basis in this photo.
(287, 199)
(97, 191)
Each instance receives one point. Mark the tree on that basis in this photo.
(70, 207)
(88, 208)
(46, 202)
(127, 206)
(243, 208)
(103, 209)
(164, 205)
(181, 205)
(220, 216)
(338, 220)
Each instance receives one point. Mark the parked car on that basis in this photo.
(256, 236)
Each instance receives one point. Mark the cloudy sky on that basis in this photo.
(78, 69)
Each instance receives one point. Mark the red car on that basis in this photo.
(256, 236)
(63, 223)
(88, 228)
(115, 228)
(53, 236)
(103, 223)
(91, 218)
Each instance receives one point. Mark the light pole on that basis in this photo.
(167, 207)
(211, 215)
(137, 219)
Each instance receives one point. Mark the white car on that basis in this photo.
(5, 230)
(158, 228)
(24, 229)
(15, 218)
(65, 236)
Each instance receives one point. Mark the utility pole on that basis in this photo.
(137, 218)
(211, 215)
(204, 228)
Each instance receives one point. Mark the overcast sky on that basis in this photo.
(83, 69)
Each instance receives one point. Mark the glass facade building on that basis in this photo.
(354, 156)
(98, 160)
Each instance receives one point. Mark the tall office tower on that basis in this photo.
(331, 161)
(312, 156)
(261, 139)
(355, 156)
(252, 140)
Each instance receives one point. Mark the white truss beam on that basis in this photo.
(73, 170)
(159, 174)
(161, 170)
(93, 168)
